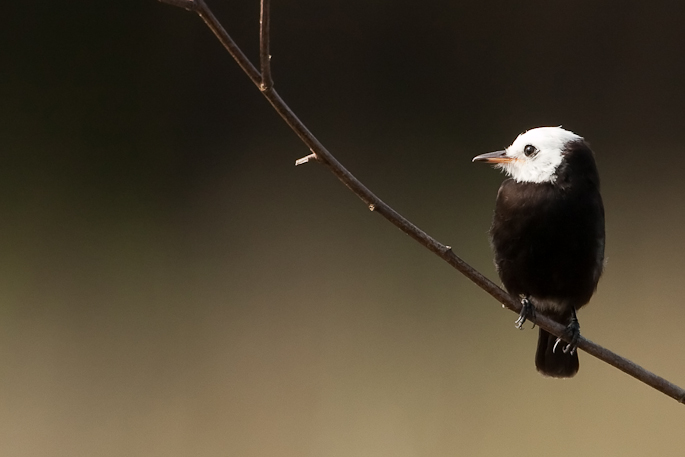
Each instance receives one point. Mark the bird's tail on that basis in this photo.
(554, 363)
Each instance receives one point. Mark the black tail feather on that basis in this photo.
(554, 363)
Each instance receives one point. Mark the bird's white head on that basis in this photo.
(534, 155)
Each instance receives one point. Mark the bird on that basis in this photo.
(548, 235)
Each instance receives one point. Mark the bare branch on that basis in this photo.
(200, 7)
(320, 153)
(264, 54)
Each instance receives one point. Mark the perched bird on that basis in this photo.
(548, 234)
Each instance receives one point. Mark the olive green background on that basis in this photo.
(171, 285)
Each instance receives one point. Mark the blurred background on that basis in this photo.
(171, 285)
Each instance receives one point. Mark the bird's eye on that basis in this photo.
(530, 150)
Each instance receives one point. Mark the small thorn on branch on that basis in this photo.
(306, 159)
(372, 207)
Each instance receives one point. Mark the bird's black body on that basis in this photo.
(548, 239)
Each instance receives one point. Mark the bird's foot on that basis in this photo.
(572, 335)
(527, 310)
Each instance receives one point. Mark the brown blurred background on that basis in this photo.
(171, 285)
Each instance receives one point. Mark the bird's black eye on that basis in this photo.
(530, 150)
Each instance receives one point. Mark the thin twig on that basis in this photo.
(374, 203)
(264, 53)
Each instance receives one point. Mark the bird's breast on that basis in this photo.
(547, 242)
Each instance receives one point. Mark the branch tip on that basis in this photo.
(306, 159)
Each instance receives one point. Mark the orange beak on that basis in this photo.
(494, 157)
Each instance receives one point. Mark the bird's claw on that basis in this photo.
(572, 334)
(527, 310)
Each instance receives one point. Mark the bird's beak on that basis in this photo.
(494, 157)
